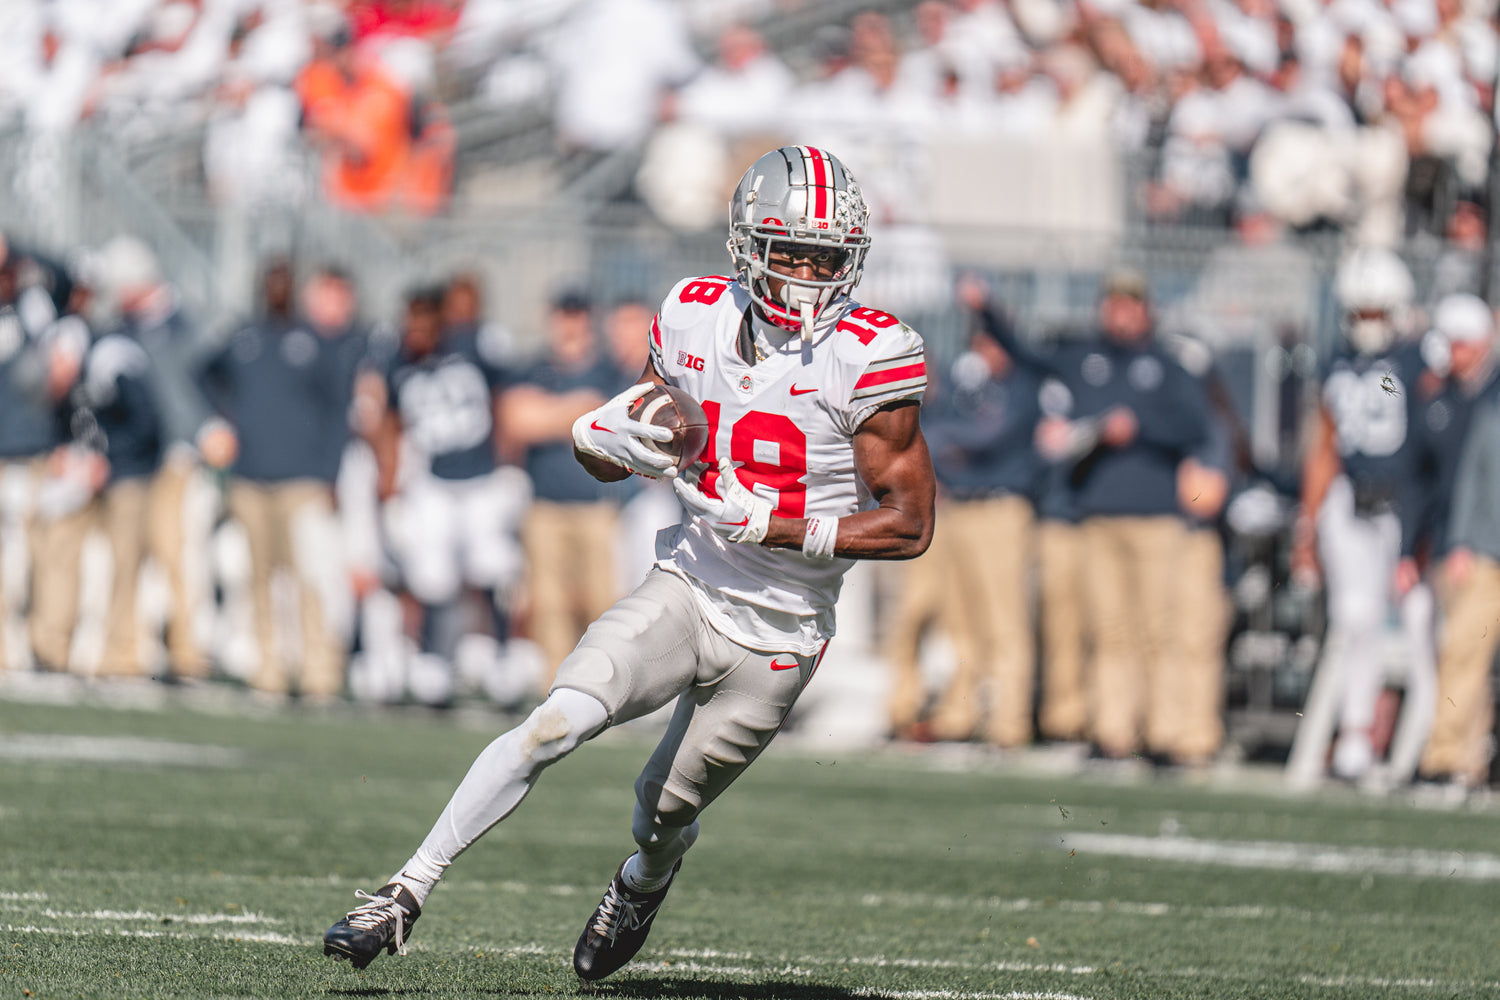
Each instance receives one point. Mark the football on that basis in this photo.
(670, 407)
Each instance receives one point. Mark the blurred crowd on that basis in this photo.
(1354, 113)
(1090, 488)
(307, 485)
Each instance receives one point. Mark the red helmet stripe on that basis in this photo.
(656, 329)
(820, 181)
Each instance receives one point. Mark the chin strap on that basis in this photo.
(806, 309)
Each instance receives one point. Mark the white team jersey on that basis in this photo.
(788, 425)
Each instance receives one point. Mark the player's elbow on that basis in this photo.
(914, 539)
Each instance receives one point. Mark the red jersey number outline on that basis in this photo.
(703, 290)
(787, 475)
(866, 323)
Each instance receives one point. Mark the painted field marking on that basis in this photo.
(55, 747)
(1286, 856)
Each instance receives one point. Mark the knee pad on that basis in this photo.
(659, 812)
(558, 725)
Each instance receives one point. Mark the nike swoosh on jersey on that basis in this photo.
(775, 665)
(801, 392)
(600, 427)
(735, 524)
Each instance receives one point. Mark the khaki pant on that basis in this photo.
(167, 540)
(1192, 698)
(1064, 706)
(570, 561)
(54, 606)
(1471, 631)
(269, 513)
(988, 560)
(122, 508)
(1132, 569)
(923, 602)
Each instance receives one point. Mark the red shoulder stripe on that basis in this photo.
(918, 370)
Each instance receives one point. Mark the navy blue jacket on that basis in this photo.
(30, 423)
(982, 435)
(1170, 408)
(285, 390)
(1440, 425)
(118, 405)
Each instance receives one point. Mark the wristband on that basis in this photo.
(822, 535)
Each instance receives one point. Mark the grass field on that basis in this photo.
(151, 853)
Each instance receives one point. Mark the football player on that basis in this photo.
(456, 519)
(815, 457)
(1348, 531)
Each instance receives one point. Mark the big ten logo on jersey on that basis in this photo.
(1368, 417)
(866, 323)
(446, 409)
(770, 451)
(705, 290)
(686, 360)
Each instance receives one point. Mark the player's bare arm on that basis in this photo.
(1319, 470)
(891, 457)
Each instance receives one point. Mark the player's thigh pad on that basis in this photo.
(717, 729)
(644, 651)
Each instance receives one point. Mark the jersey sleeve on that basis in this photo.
(893, 368)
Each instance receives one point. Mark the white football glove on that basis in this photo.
(608, 433)
(740, 516)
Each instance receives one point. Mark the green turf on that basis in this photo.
(820, 874)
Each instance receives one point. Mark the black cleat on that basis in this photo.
(618, 927)
(382, 923)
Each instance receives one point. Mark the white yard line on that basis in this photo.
(1285, 856)
(55, 747)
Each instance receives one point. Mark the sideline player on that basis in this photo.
(1349, 530)
(815, 457)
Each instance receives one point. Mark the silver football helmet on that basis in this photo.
(803, 197)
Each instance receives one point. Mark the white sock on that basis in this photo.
(649, 868)
(498, 780)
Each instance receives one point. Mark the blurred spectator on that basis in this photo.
(980, 434)
(1204, 479)
(718, 98)
(184, 428)
(385, 145)
(573, 523)
(278, 385)
(457, 515)
(30, 428)
(1444, 526)
(1348, 528)
(615, 60)
(75, 474)
(383, 19)
(1063, 622)
(1135, 415)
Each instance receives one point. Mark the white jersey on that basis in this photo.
(788, 424)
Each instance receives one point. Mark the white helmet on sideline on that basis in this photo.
(1375, 291)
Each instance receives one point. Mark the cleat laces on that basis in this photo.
(377, 911)
(615, 913)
